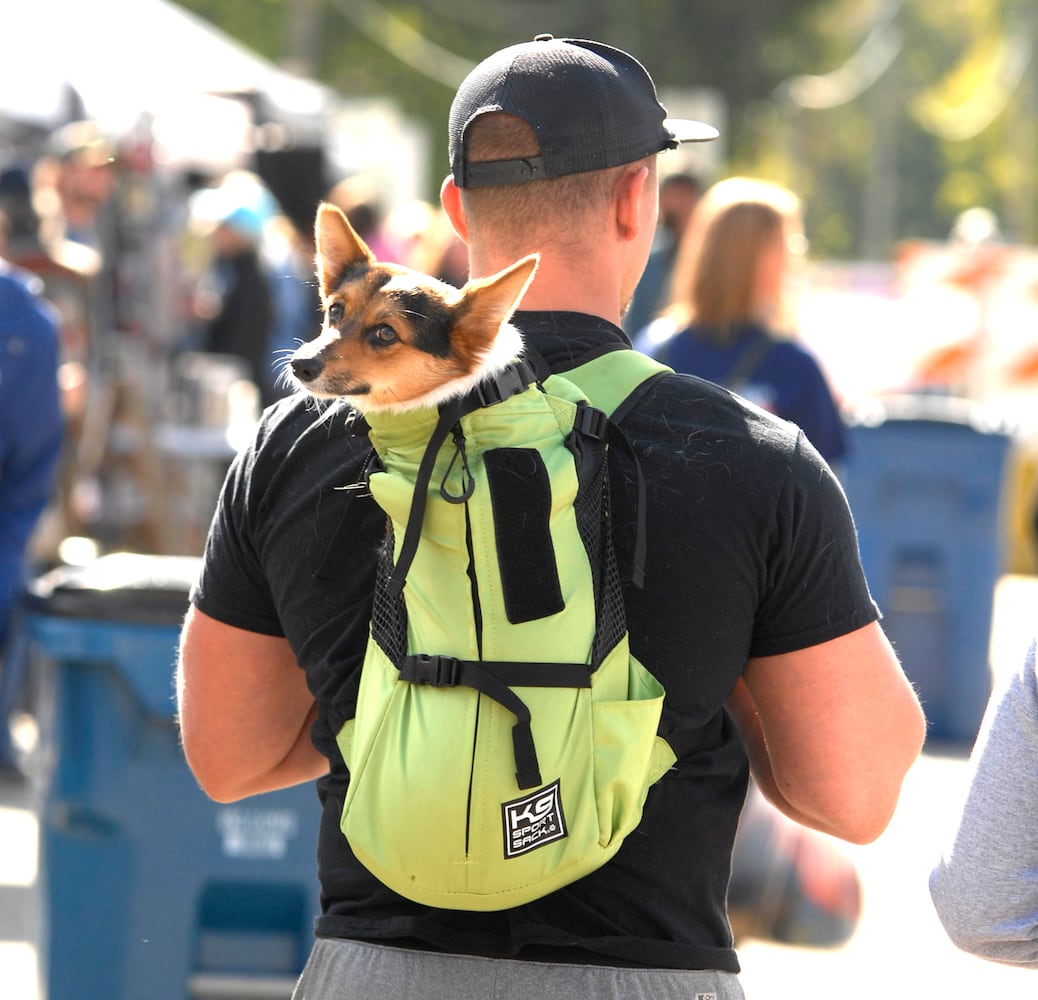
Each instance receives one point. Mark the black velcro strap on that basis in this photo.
(520, 499)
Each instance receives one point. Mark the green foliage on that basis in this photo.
(257, 24)
(901, 147)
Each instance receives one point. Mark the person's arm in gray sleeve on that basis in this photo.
(985, 887)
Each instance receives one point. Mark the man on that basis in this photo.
(754, 596)
(31, 432)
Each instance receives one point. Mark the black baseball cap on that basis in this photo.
(592, 106)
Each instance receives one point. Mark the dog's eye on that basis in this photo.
(335, 311)
(382, 336)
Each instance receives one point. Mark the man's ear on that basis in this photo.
(450, 199)
(629, 209)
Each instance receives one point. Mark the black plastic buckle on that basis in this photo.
(591, 422)
(506, 383)
(436, 671)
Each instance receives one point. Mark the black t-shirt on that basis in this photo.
(751, 552)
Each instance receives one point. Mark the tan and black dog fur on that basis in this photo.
(396, 339)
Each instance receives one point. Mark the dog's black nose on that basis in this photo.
(307, 369)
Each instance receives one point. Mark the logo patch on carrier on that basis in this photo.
(533, 821)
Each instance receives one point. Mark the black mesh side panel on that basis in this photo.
(594, 524)
(388, 613)
(520, 495)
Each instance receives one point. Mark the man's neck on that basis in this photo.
(576, 283)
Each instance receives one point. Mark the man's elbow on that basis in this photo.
(863, 819)
(860, 807)
(880, 789)
(213, 776)
(221, 791)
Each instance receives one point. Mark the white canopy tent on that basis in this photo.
(125, 58)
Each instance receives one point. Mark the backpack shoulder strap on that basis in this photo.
(615, 380)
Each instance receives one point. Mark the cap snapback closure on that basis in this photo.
(491, 173)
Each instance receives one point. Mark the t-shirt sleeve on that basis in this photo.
(232, 585)
(815, 589)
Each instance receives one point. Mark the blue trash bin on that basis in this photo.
(925, 480)
(150, 890)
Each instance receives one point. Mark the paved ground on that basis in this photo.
(898, 952)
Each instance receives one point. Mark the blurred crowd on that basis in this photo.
(179, 296)
(181, 293)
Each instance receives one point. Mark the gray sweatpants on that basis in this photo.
(356, 970)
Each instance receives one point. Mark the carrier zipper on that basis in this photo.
(477, 618)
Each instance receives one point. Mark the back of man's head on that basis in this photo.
(552, 110)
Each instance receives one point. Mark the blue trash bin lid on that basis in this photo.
(122, 586)
(931, 408)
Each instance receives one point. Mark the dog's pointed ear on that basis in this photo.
(338, 246)
(487, 303)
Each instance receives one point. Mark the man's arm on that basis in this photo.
(245, 710)
(831, 731)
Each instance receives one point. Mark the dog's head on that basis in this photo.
(396, 339)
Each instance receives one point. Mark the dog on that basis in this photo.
(396, 339)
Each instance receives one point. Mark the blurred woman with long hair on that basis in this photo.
(729, 318)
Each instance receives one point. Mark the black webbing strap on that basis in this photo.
(450, 413)
(594, 423)
(617, 439)
(493, 678)
(712, 753)
(508, 382)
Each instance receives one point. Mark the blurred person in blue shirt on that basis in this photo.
(728, 320)
(679, 193)
(31, 434)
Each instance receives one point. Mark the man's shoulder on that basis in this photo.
(683, 403)
(300, 425)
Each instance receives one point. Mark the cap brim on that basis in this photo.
(687, 130)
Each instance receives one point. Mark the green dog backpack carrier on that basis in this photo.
(505, 739)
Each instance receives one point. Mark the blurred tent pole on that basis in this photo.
(301, 34)
(879, 207)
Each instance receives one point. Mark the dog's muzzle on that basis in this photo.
(307, 369)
